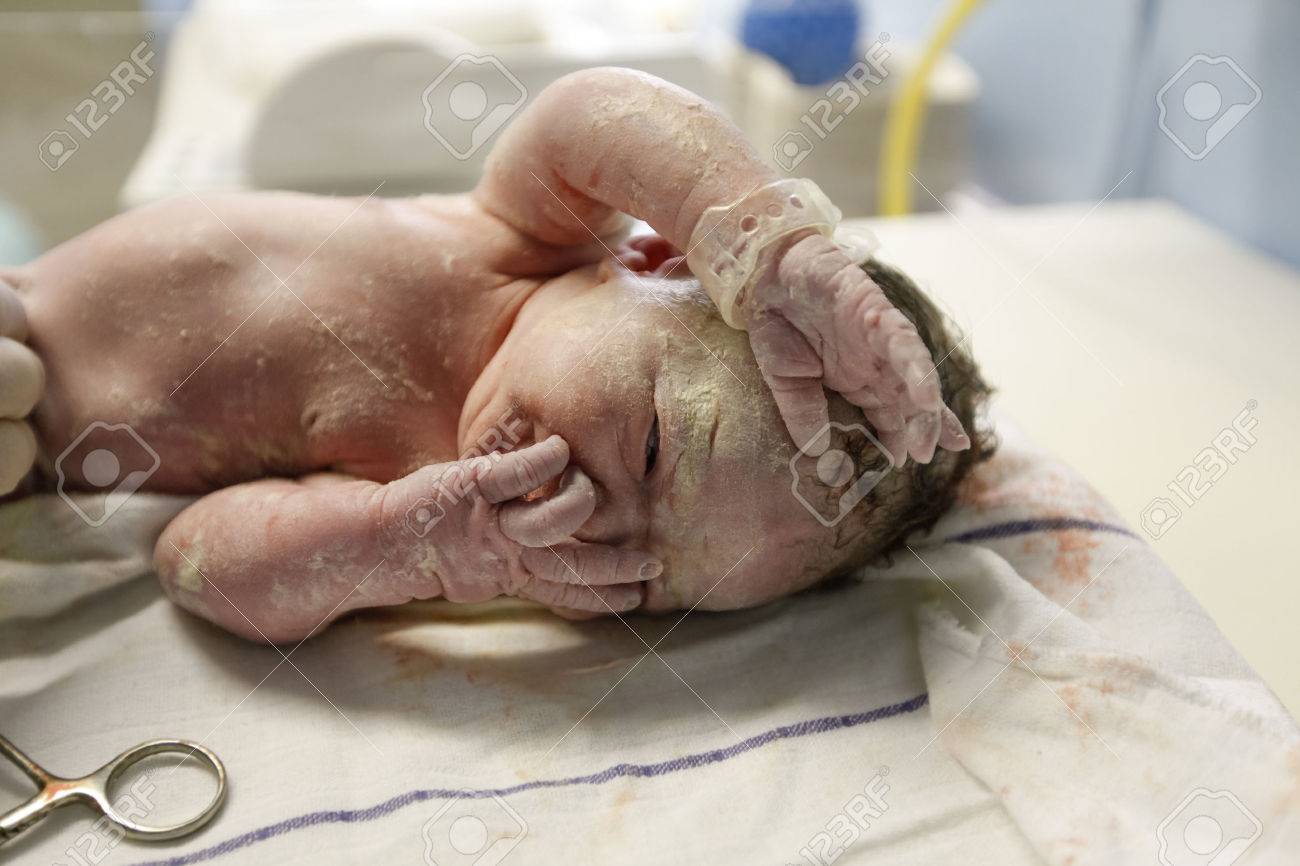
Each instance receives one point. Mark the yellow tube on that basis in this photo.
(907, 115)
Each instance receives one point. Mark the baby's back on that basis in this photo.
(240, 336)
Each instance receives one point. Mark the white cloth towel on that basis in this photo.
(1026, 684)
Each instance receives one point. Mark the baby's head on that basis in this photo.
(663, 406)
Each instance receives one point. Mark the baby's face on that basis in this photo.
(664, 408)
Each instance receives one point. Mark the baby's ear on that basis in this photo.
(645, 254)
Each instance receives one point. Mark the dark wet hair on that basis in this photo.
(914, 498)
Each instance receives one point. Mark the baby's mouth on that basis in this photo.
(547, 489)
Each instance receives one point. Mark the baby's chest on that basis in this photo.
(381, 433)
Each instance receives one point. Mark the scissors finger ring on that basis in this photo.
(93, 790)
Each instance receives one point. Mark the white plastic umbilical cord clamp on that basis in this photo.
(728, 239)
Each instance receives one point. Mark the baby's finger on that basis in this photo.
(881, 417)
(895, 442)
(593, 564)
(804, 409)
(17, 454)
(922, 436)
(951, 435)
(592, 599)
(22, 379)
(918, 370)
(782, 351)
(554, 518)
(895, 340)
(13, 319)
(923, 387)
(793, 373)
(518, 473)
(865, 398)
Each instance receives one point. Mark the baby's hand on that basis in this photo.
(22, 380)
(815, 319)
(483, 540)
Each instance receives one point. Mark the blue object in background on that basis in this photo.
(815, 40)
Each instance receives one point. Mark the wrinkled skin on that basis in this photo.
(611, 140)
(816, 320)
(717, 503)
(317, 415)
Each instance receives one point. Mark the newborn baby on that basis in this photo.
(493, 393)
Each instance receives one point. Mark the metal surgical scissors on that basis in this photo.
(93, 790)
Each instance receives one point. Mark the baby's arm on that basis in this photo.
(601, 141)
(273, 560)
(276, 560)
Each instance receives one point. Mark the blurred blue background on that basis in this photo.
(1067, 104)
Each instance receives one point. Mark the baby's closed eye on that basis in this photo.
(652, 445)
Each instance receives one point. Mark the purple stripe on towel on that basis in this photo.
(645, 771)
(1036, 524)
